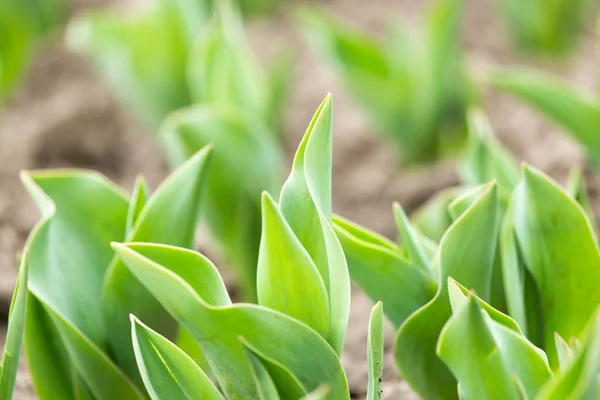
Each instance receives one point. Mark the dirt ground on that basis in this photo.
(65, 116)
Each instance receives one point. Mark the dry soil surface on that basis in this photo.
(65, 116)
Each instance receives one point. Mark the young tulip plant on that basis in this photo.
(483, 313)
(189, 62)
(413, 87)
(155, 320)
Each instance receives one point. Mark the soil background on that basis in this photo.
(64, 115)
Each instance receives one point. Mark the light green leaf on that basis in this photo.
(410, 240)
(14, 332)
(138, 200)
(168, 372)
(486, 357)
(375, 352)
(577, 114)
(169, 217)
(549, 224)
(270, 334)
(305, 202)
(433, 219)
(466, 253)
(378, 268)
(576, 187)
(264, 383)
(564, 353)
(288, 280)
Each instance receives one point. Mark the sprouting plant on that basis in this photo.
(523, 244)
(578, 113)
(77, 335)
(23, 24)
(14, 332)
(414, 88)
(546, 27)
(176, 58)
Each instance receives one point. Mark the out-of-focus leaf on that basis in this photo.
(264, 383)
(139, 197)
(380, 270)
(288, 280)
(375, 352)
(168, 372)
(576, 187)
(486, 357)
(486, 159)
(580, 379)
(577, 114)
(319, 394)
(466, 253)
(564, 353)
(14, 332)
(549, 224)
(433, 219)
(305, 202)
(218, 328)
(246, 161)
(169, 217)
(410, 240)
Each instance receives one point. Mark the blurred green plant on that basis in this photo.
(78, 335)
(577, 113)
(544, 27)
(188, 63)
(511, 242)
(23, 24)
(413, 87)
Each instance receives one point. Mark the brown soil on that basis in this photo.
(65, 116)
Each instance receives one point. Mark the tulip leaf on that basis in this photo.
(433, 219)
(168, 372)
(576, 187)
(375, 352)
(288, 280)
(549, 224)
(140, 195)
(410, 240)
(14, 333)
(218, 328)
(564, 352)
(305, 202)
(169, 217)
(466, 253)
(380, 270)
(264, 383)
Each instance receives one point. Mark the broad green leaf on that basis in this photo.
(466, 253)
(433, 219)
(218, 329)
(410, 240)
(380, 270)
(264, 383)
(485, 158)
(462, 202)
(103, 377)
(169, 217)
(549, 224)
(288, 280)
(375, 352)
(577, 114)
(231, 204)
(580, 380)
(486, 357)
(138, 200)
(168, 372)
(305, 202)
(14, 332)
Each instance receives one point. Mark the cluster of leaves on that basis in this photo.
(186, 70)
(527, 252)
(547, 27)
(22, 25)
(413, 87)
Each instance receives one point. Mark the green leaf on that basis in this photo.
(264, 383)
(140, 195)
(270, 334)
(564, 353)
(549, 224)
(410, 240)
(168, 372)
(288, 280)
(231, 204)
(14, 332)
(577, 114)
(169, 217)
(375, 352)
(466, 253)
(487, 358)
(576, 187)
(433, 219)
(380, 270)
(305, 202)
